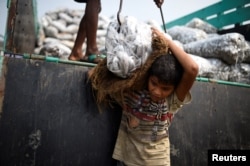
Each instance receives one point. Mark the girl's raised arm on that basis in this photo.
(190, 67)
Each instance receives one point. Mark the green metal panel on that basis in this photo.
(217, 12)
(237, 17)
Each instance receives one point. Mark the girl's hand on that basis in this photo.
(156, 32)
(160, 34)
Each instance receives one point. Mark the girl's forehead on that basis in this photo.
(168, 86)
(155, 78)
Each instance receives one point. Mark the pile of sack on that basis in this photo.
(224, 57)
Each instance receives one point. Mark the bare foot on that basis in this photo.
(75, 56)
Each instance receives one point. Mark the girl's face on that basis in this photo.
(158, 90)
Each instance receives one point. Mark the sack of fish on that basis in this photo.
(224, 57)
(127, 45)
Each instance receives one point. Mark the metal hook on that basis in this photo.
(118, 14)
(163, 20)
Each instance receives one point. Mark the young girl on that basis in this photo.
(147, 112)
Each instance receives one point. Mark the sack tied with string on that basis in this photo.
(131, 49)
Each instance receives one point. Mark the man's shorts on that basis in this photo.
(82, 1)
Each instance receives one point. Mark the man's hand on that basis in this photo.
(159, 3)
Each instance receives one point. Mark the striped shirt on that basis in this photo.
(143, 134)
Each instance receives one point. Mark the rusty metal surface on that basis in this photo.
(20, 31)
(10, 27)
(2, 81)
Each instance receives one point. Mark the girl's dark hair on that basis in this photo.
(167, 69)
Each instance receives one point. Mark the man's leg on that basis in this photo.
(88, 28)
(76, 53)
(92, 12)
